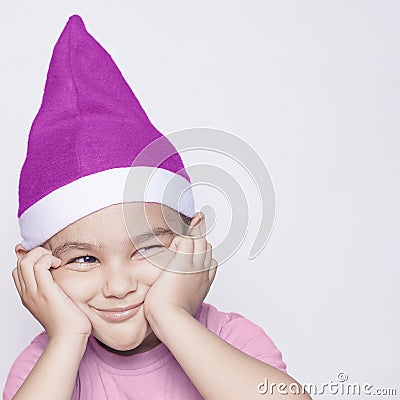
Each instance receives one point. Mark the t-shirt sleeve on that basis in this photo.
(21, 368)
(252, 340)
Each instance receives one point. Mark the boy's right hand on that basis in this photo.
(45, 299)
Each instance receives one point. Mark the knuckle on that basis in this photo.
(23, 263)
(42, 260)
(40, 250)
(36, 267)
(34, 255)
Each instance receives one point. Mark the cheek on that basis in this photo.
(79, 286)
(152, 268)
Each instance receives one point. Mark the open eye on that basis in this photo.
(83, 260)
(82, 263)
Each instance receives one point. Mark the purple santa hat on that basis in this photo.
(85, 141)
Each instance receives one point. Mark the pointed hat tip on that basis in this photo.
(76, 18)
(75, 22)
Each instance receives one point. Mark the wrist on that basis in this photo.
(78, 342)
(165, 321)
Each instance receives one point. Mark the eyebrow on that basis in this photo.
(142, 237)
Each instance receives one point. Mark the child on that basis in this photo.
(117, 277)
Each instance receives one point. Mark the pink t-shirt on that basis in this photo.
(154, 374)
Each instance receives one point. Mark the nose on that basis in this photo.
(119, 281)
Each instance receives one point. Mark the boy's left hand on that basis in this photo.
(187, 278)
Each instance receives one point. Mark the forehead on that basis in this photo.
(120, 221)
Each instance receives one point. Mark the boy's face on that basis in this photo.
(103, 269)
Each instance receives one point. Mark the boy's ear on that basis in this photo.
(20, 251)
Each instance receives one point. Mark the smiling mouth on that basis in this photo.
(118, 314)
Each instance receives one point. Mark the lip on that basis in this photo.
(118, 314)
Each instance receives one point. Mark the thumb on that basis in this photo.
(175, 243)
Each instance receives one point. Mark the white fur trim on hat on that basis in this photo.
(91, 193)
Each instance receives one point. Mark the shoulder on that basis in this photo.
(23, 365)
(241, 333)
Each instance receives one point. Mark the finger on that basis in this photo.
(213, 270)
(27, 265)
(208, 257)
(195, 230)
(41, 270)
(20, 278)
(16, 281)
(182, 260)
(33, 255)
(200, 247)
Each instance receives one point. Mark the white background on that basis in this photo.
(314, 87)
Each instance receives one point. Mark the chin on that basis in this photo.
(122, 346)
(122, 337)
